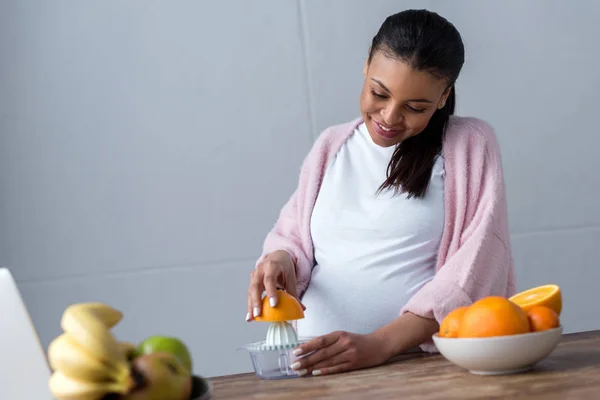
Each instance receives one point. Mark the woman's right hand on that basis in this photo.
(277, 270)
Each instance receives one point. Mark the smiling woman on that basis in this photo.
(399, 216)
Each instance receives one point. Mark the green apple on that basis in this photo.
(161, 376)
(172, 345)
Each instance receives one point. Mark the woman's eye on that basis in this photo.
(417, 110)
(378, 95)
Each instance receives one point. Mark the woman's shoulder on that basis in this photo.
(470, 132)
(471, 145)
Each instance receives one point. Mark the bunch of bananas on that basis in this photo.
(88, 362)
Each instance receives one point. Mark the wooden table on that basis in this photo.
(572, 371)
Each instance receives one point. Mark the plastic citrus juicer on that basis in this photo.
(271, 358)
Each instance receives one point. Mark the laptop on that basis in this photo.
(24, 370)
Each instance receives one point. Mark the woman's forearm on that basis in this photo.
(404, 333)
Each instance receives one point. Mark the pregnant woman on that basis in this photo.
(399, 216)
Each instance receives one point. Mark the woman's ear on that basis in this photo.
(366, 66)
(444, 98)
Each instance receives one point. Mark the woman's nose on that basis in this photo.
(392, 116)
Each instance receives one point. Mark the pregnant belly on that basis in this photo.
(359, 302)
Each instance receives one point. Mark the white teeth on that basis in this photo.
(384, 128)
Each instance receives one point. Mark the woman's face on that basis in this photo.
(397, 101)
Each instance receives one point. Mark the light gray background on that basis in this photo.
(147, 147)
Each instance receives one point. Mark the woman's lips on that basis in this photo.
(381, 131)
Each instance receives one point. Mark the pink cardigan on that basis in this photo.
(474, 258)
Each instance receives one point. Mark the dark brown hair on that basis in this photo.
(428, 42)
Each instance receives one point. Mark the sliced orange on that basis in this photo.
(546, 295)
(288, 308)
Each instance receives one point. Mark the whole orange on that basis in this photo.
(493, 316)
(542, 318)
(451, 323)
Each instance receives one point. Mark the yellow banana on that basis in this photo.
(87, 360)
(105, 313)
(63, 387)
(91, 333)
(68, 356)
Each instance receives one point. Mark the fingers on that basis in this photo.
(335, 369)
(270, 282)
(343, 357)
(285, 271)
(270, 274)
(324, 357)
(291, 284)
(316, 344)
(255, 293)
(289, 277)
(250, 306)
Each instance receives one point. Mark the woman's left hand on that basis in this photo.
(339, 352)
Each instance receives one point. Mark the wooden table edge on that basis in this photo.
(566, 337)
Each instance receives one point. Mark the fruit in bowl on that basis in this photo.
(547, 295)
(88, 362)
(496, 335)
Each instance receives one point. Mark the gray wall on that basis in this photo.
(146, 147)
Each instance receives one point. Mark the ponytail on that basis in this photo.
(410, 168)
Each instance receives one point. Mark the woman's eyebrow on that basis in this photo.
(390, 92)
(382, 85)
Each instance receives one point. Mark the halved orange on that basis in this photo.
(288, 308)
(545, 295)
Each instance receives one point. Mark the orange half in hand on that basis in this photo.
(287, 309)
(546, 295)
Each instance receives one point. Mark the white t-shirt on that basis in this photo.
(372, 252)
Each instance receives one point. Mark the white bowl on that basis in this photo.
(501, 354)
